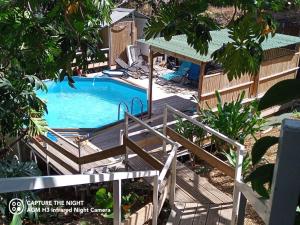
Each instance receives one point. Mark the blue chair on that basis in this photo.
(194, 72)
(178, 74)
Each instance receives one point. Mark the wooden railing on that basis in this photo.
(17, 184)
(162, 171)
(204, 155)
(280, 208)
(167, 170)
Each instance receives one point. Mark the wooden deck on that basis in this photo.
(197, 202)
(63, 158)
(110, 137)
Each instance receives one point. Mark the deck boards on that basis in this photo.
(196, 200)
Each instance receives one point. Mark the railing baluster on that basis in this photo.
(155, 200)
(79, 155)
(165, 121)
(173, 179)
(117, 193)
(238, 177)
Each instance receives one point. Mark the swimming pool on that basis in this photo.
(92, 104)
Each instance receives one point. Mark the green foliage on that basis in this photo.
(234, 119)
(104, 200)
(296, 114)
(177, 17)
(285, 91)
(248, 29)
(261, 179)
(189, 130)
(17, 220)
(39, 39)
(19, 106)
(11, 167)
(244, 33)
(261, 146)
(231, 157)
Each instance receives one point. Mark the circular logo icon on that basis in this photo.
(16, 206)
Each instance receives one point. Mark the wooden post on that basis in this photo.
(238, 177)
(155, 200)
(109, 46)
(126, 136)
(286, 182)
(254, 86)
(173, 180)
(117, 201)
(165, 121)
(150, 85)
(47, 158)
(242, 210)
(201, 78)
(79, 154)
(298, 61)
(19, 148)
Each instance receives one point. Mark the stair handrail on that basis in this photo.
(119, 108)
(141, 104)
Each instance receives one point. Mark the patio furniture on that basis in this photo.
(136, 59)
(193, 74)
(130, 70)
(113, 73)
(180, 74)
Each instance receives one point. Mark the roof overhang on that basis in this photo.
(179, 48)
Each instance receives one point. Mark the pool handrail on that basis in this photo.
(141, 104)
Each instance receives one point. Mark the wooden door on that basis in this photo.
(122, 34)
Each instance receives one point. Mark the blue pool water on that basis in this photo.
(93, 104)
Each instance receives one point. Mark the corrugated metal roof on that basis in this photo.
(118, 14)
(178, 44)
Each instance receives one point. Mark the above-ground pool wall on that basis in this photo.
(279, 64)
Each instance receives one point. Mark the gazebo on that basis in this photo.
(281, 60)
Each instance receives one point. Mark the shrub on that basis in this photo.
(189, 130)
(235, 120)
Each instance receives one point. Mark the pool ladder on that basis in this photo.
(131, 108)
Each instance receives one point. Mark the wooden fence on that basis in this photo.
(278, 64)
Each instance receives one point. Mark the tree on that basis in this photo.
(248, 29)
(40, 39)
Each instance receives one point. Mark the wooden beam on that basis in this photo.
(149, 141)
(112, 152)
(176, 55)
(61, 150)
(201, 78)
(55, 158)
(278, 75)
(259, 205)
(155, 163)
(150, 88)
(226, 90)
(200, 152)
(141, 216)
